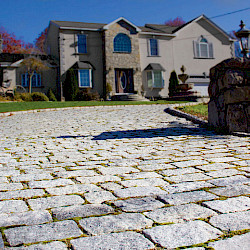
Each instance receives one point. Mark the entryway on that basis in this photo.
(124, 81)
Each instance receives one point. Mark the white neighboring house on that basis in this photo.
(135, 59)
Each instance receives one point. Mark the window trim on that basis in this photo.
(122, 51)
(150, 48)
(197, 48)
(86, 45)
(152, 73)
(90, 79)
(38, 80)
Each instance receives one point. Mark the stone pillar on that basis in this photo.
(229, 91)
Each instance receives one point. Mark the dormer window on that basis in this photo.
(203, 49)
(82, 43)
(122, 43)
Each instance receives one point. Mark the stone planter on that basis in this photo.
(185, 86)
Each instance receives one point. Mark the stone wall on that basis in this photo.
(122, 60)
(229, 91)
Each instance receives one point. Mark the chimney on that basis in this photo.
(1, 44)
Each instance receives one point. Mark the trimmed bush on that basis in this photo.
(51, 95)
(26, 97)
(70, 86)
(87, 95)
(38, 96)
(173, 83)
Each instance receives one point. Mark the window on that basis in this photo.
(122, 43)
(153, 47)
(203, 49)
(154, 79)
(36, 80)
(85, 78)
(82, 43)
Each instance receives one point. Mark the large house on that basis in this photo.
(135, 59)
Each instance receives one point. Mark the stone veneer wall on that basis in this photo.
(229, 91)
(122, 60)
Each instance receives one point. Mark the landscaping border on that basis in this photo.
(172, 111)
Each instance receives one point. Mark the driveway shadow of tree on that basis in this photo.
(158, 132)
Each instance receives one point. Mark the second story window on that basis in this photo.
(203, 49)
(153, 47)
(82, 43)
(122, 43)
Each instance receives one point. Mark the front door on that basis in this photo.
(124, 81)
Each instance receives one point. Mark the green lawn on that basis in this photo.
(18, 106)
(199, 110)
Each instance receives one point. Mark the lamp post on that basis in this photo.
(244, 36)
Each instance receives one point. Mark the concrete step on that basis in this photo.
(128, 97)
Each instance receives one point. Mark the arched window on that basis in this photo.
(203, 49)
(122, 43)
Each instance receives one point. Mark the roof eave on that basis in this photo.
(157, 34)
(106, 27)
(74, 28)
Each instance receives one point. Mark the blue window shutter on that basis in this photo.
(82, 43)
(23, 82)
(39, 80)
(33, 81)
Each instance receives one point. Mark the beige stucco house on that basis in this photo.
(137, 59)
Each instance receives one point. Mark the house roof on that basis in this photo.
(209, 21)
(161, 28)
(83, 65)
(157, 29)
(78, 25)
(12, 60)
(125, 20)
(154, 66)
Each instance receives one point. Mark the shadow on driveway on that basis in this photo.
(157, 132)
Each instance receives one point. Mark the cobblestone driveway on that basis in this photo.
(129, 177)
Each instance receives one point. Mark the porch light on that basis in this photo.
(244, 36)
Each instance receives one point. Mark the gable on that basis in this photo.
(208, 26)
(214, 31)
(133, 29)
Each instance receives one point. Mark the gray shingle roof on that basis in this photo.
(161, 28)
(80, 25)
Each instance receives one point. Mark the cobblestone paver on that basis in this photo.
(125, 177)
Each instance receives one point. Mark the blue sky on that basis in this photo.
(27, 18)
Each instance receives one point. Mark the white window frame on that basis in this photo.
(78, 44)
(90, 79)
(154, 85)
(37, 84)
(197, 48)
(149, 46)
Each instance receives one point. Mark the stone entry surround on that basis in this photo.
(229, 91)
(116, 60)
(124, 177)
